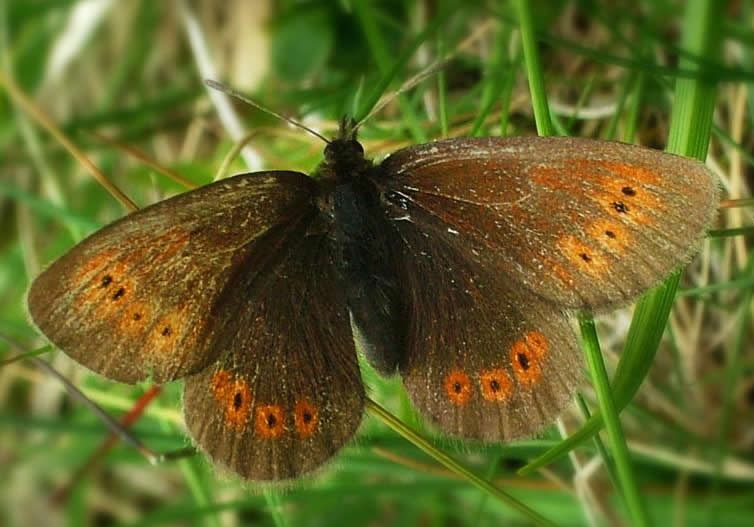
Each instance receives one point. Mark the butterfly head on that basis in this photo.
(344, 155)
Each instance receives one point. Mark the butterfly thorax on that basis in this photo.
(362, 252)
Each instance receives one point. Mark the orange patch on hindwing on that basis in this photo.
(234, 397)
(306, 418)
(458, 387)
(269, 421)
(219, 383)
(496, 385)
(527, 356)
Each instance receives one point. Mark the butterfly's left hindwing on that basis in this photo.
(137, 298)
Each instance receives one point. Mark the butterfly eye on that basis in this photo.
(356, 147)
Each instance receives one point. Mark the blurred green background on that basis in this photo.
(132, 71)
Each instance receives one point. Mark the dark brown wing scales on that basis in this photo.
(583, 223)
(286, 392)
(482, 361)
(136, 297)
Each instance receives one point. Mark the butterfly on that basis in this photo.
(454, 264)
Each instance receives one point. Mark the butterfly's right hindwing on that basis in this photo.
(286, 393)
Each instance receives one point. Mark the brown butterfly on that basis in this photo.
(451, 263)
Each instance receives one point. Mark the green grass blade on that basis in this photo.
(689, 135)
(534, 69)
(443, 458)
(624, 471)
(391, 67)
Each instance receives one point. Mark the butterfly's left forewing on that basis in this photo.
(584, 224)
(498, 237)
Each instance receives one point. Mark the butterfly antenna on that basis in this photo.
(410, 83)
(233, 93)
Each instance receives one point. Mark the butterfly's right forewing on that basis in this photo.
(137, 298)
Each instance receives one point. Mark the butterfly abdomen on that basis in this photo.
(366, 270)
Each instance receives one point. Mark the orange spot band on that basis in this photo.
(306, 418)
(495, 384)
(458, 387)
(234, 397)
(269, 422)
(527, 357)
